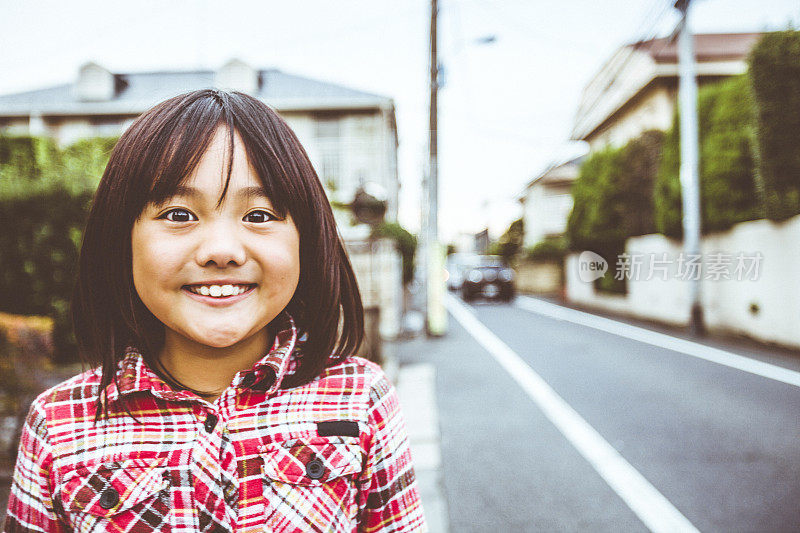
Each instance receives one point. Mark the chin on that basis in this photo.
(218, 343)
(219, 340)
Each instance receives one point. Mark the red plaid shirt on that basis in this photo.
(331, 455)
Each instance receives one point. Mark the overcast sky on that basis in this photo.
(506, 110)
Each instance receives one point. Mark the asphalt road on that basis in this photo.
(719, 444)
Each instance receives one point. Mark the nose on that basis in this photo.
(220, 245)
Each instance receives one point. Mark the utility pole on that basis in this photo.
(436, 316)
(690, 166)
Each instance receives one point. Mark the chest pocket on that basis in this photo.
(132, 492)
(311, 481)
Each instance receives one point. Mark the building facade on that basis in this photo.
(636, 89)
(547, 202)
(350, 135)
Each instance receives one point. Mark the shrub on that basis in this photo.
(548, 249)
(727, 167)
(613, 200)
(45, 194)
(40, 236)
(510, 242)
(406, 244)
(636, 182)
(82, 164)
(595, 222)
(36, 162)
(775, 72)
(26, 162)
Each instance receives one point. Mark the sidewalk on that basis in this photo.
(416, 388)
(776, 354)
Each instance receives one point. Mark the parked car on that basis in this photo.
(457, 265)
(490, 278)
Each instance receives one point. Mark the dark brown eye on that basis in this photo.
(178, 215)
(260, 216)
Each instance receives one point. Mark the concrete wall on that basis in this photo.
(379, 270)
(538, 277)
(761, 303)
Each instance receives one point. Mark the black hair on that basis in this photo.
(152, 157)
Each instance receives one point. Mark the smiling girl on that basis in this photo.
(219, 307)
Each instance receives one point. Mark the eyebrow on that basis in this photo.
(247, 193)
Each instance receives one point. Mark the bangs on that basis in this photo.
(177, 147)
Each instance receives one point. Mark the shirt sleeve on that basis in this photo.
(389, 500)
(30, 504)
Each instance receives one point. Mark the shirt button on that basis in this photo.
(315, 468)
(109, 498)
(211, 423)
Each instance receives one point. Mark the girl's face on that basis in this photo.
(189, 256)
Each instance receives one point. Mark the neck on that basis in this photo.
(207, 368)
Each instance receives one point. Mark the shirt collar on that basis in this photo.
(133, 373)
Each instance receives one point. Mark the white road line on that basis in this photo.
(652, 508)
(694, 349)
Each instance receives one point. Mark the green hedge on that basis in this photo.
(728, 192)
(548, 249)
(613, 201)
(40, 237)
(591, 223)
(613, 195)
(775, 73)
(406, 244)
(45, 195)
(26, 162)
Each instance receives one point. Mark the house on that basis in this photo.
(636, 89)
(350, 136)
(547, 202)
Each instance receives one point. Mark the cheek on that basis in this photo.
(285, 267)
(154, 261)
(284, 264)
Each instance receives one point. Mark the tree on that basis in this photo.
(510, 242)
(406, 243)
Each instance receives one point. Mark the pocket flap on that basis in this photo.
(311, 460)
(107, 488)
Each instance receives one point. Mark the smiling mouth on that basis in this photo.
(220, 292)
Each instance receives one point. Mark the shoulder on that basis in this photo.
(371, 374)
(56, 403)
(371, 380)
(80, 389)
(83, 385)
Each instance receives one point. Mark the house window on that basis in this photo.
(328, 139)
(328, 128)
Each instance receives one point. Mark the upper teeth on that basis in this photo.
(218, 290)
